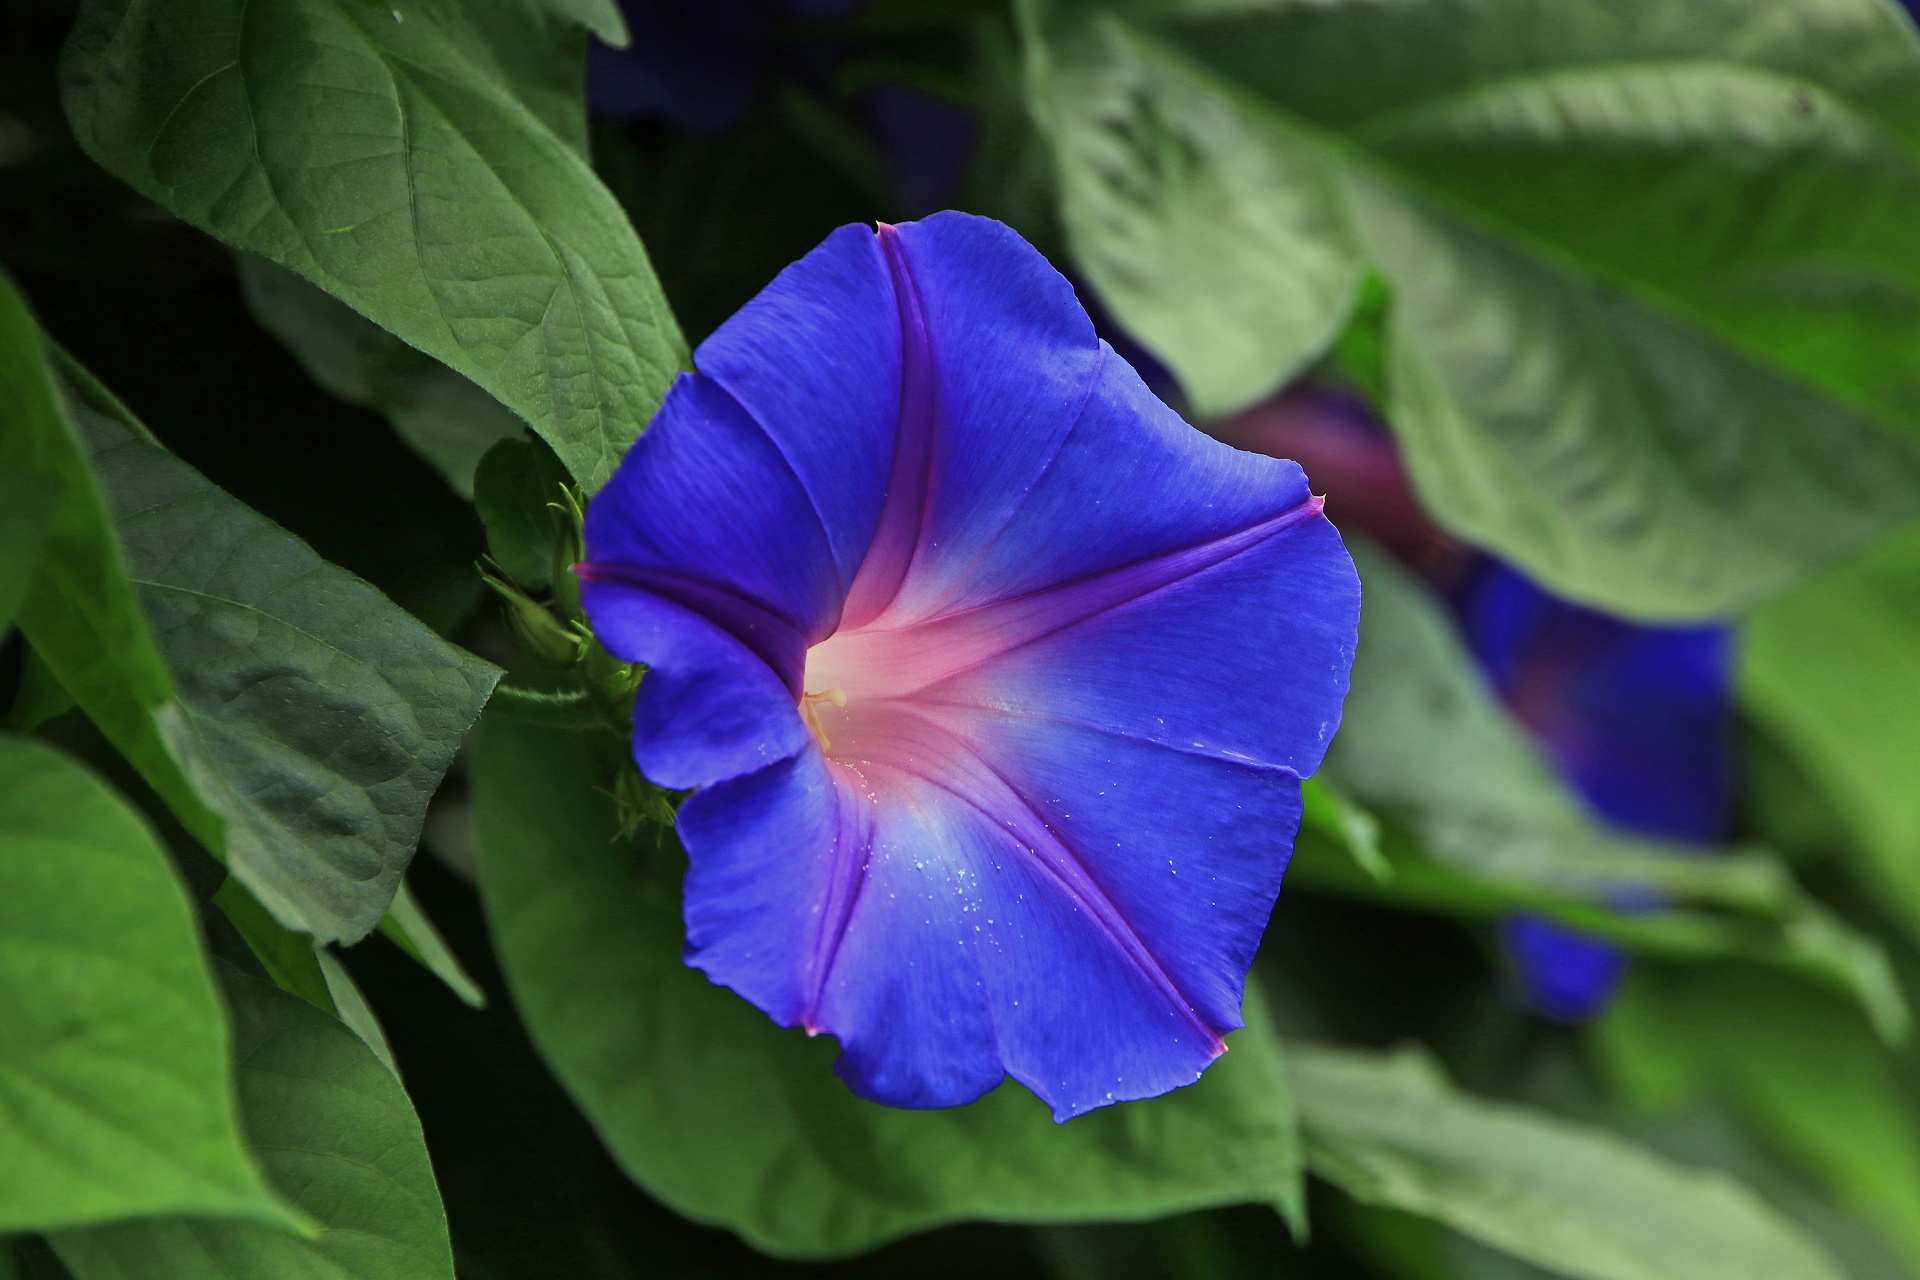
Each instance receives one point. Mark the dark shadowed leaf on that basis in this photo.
(515, 489)
(292, 718)
(114, 1100)
(27, 499)
(445, 418)
(733, 1121)
(90, 643)
(314, 715)
(1588, 1204)
(421, 160)
(1655, 320)
(1801, 1066)
(335, 1133)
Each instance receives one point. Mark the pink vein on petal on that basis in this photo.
(921, 747)
(884, 663)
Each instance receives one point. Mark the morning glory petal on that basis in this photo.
(1195, 886)
(1568, 976)
(711, 513)
(773, 859)
(981, 944)
(1273, 608)
(710, 708)
(1041, 668)
(815, 360)
(1120, 443)
(1000, 359)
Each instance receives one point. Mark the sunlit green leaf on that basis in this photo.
(1588, 1204)
(114, 1099)
(1224, 248)
(1833, 669)
(733, 1121)
(1655, 303)
(337, 1136)
(422, 161)
(1804, 1068)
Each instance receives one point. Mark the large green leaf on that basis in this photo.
(733, 1121)
(1224, 249)
(444, 417)
(422, 160)
(1833, 669)
(1655, 322)
(1585, 1203)
(1806, 1071)
(336, 1134)
(79, 611)
(114, 1100)
(315, 716)
(292, 718)
(27, 499)
(1423, 740)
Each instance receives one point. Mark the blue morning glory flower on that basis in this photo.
(693, 63)
(1636, 718)
(993, 680)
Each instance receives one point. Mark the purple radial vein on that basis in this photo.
(890, 558)
(853, 847)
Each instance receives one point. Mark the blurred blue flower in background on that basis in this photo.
(1636, 719)
(925, 142)
(1634, 716)
(695, 64)
(698, 65)
(950, 628)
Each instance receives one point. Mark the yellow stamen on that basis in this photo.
(810, 714)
